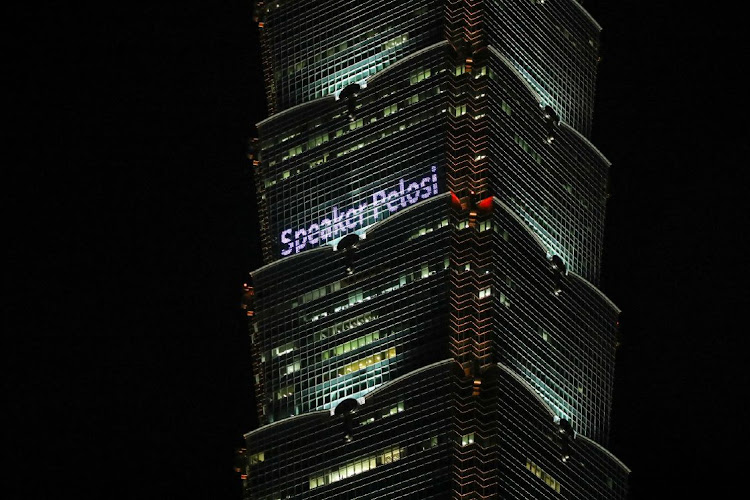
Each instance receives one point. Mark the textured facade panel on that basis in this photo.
(541, 457)
(431, 434)
(554, 44)
(334, 325)
(395, 442)
(316, 48)
(552, 329)
(336, 167)
(550, 176)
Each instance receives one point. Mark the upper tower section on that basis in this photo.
(554, 45)
(315, 48)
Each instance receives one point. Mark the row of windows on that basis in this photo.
(354, 125)
(549, 480)
(366, 141)
(419, 75)
(351, 345)
(322, 291)
(283, 349)
(350, 368)
(424, 271)
(365, 340)
(363, 363)
(353, 74)
(425, 230)
(484, 226)
(395, 42)
(345, 325)
(398, 408)
(355, 467)
(400, 329)
(290, 368)
(478, 72)
(267, 144)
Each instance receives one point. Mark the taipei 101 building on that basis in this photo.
(427, 323)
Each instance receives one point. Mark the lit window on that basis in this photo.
(356, 467)
(543, 333)
(291, 368)
(504, 300)
(365, 362)
(549, 480)
(467, 439)
(425, 270)
(395, 42)
(394, 409)
(419, 75)
(367, 421)
(506, 108)
(285, 392)
(284, 349)
(256, 458)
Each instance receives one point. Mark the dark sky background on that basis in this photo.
(141, 211)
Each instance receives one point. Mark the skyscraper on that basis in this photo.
(427, 322)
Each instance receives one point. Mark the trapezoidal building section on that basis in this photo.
(427, 323)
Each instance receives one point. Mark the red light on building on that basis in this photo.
(485, 204)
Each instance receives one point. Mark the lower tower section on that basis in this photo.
(430, 435)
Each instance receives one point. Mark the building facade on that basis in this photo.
(427, 322)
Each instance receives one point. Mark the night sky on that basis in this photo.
(141, 219)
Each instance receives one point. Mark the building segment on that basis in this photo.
(427, 322)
